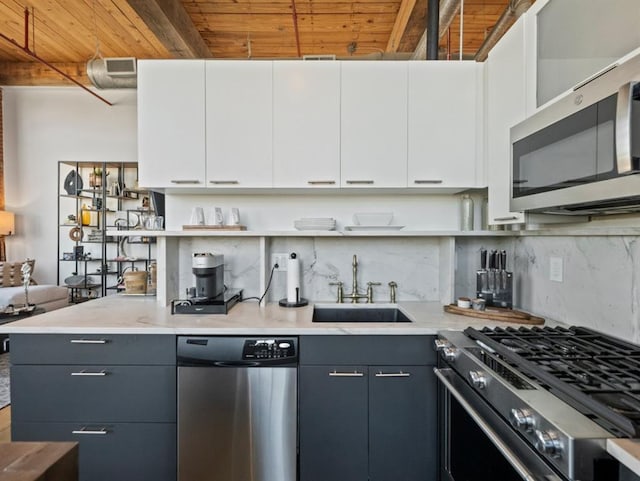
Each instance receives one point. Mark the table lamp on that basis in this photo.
(7, 227)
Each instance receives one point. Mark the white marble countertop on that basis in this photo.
(142, 315)
(627, 451)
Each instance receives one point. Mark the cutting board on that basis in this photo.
(496, 314)
(214, 227)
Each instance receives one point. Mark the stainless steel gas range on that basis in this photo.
(535, 404)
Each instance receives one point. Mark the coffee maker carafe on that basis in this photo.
(209, 271)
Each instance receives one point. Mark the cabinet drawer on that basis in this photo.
(125, 452)
(101, 393)
(389, 350)
(93, 349)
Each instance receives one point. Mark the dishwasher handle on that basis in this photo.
(189, 362)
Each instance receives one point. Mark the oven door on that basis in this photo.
(477, 444)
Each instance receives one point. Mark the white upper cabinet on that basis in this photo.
(373, 124)
(445, 124)
(171, 123)
(306, 124)
(239, 123)
(505, 108)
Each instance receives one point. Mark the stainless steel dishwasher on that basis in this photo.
(237, 408)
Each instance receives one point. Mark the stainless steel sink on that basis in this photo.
(358, 314)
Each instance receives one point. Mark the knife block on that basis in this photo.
(495, 287)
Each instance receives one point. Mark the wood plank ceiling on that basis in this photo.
(68, 33)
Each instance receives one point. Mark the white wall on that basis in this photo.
(41, 127)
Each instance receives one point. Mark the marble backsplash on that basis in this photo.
(600, 287)
(412, 262)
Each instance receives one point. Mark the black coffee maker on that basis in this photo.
(209, 271)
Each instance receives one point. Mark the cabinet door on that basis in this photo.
(171, 120)
(239, 123)
(108, 452)
(333, 423)
(306, 124)
(445, 120)
(402, 423)
(505, 108)
(373, 124)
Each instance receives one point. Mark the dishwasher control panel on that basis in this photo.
(255, 349)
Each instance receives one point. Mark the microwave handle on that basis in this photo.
(623, 128)
(493, 437)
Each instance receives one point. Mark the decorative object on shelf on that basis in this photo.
(71, 219)
(466, 213)
(75, 234)
(7, 227)
(315, 223)
(373, 218)
(197, 216)
(73, 183)
(95, 177)
(85, 215)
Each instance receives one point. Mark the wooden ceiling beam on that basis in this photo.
(37, 74)
(400, 25)
(170, 23)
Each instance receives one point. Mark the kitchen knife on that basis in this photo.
(482, 282)
(503, 271)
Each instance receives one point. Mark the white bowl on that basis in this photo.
(373, 218)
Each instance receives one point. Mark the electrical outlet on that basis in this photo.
(281, 260)
(555, 269)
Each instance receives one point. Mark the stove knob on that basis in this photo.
(522, 419)
(547, 442)
(440, 344)
(450, 354)
(478, 379)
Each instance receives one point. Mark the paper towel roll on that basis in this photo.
(293, 279)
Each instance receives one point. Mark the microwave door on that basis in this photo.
(627, 132)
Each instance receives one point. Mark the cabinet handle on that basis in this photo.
(184, 181)
(224, 182)
(393, 374)
(359, 182)
(88, 341)
(509, 217)
(427, 181)
(84, 430)
(346, 374)
(89, 373)
(321, 182)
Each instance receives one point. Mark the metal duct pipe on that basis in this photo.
(97, 73)
(448, 11)
(510, 15)
(433, 15)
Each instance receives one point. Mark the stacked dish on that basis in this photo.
(315, 223)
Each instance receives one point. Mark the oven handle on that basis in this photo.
(623, 128)
(493, 437)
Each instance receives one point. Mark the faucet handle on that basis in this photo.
(340, 291)
(370, 291)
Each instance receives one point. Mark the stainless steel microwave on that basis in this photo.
(581, 154)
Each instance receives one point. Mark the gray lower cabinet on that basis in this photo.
(370, 416)
(114, 394)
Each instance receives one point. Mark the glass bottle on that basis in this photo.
(466, 213)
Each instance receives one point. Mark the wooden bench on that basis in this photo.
(22, 461)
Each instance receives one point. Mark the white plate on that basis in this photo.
(373, 227)
(315, 227)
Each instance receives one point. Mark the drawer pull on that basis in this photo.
(346, 374)
(184, 181)
(393, 374)
(89, 373)
(321, 182)
(224, 182)
(100, 431)
(509, 217)
(421, 181)
(360, 182)
(88, 341)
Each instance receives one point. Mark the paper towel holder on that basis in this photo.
(299, 301)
